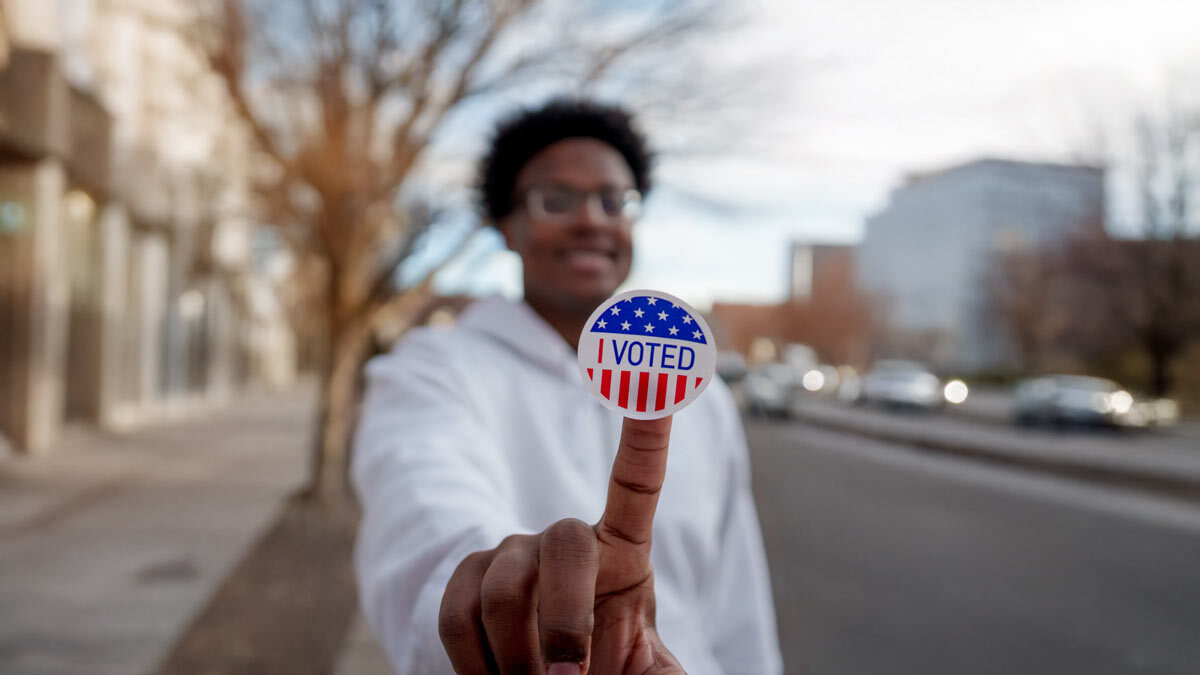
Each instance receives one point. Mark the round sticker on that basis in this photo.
(646, 354)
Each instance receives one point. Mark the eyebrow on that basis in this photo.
(559, 184)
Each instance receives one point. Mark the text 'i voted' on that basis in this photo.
(646, 354)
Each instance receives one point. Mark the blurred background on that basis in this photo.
(950, 250)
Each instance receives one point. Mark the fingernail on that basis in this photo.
(565, 669)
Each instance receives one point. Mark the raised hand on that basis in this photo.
(576, 598)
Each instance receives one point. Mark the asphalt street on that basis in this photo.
(886, 559)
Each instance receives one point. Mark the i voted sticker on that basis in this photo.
(646, 354)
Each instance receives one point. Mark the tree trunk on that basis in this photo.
(1160, 372)
(336, 413)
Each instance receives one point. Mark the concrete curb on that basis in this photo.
(1173, 484)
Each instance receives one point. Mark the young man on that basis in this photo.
(482, 460)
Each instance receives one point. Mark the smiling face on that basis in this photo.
(572, 265)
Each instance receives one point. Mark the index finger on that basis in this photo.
(637, 478)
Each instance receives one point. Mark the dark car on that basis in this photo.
(1078, 399)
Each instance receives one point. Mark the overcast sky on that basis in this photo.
(883, 88)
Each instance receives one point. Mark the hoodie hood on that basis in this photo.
(516, 325)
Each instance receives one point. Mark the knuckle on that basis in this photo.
(570, 538)
(564, 632)
(455, 625)
(471, 562)
(513, 541)
(463, 585)
(614, 532)
(639, 439)
(499, 598)
(507, 586)
(637, 487)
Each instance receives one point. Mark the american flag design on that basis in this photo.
(646, 354)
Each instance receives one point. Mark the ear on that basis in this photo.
(508, 226)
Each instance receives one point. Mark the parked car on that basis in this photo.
(850, 385)
(770, 389)
(821, 380)
(731, 367)
(1095, 401)
(908, 384)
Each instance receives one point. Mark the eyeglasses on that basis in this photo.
(556, 203)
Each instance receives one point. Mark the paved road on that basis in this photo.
(889, 560)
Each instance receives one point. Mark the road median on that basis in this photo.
(1147, 461)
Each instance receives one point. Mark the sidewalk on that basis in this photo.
(1163, 461)
(110, 544)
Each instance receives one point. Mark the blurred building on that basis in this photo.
(926, 255)
(825, 309)
(817, 271)
(128, 288)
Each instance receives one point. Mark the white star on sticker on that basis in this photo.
(662, 316)
(696, 335)
(687, 319)
(601, 323)
(616, 310)
(673, 330)
(628, 299)
(649, 328)
(638, 313)
(624, 325)
(651, 301)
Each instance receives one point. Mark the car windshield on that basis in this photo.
(893, 366)
(1080, 383)
(776, 371)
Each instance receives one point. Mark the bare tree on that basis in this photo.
(1144, 293)
(349, 101)
(1023, 298)
(1163, 270)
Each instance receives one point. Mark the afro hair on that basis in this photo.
(520, 137)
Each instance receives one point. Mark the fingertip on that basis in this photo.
(661, 425)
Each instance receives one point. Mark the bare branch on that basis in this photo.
(653, 35)
(228, 59)
(382, 307)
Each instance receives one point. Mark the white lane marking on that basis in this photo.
(1115, 501)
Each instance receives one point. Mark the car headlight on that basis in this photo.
(1120, 402)
(955, 391)
(813, 380)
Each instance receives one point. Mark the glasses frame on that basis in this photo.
(533, 200)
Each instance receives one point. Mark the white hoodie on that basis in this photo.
(484, 430)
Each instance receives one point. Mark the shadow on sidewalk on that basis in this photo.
(285, 608)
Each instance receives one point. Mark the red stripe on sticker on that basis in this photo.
(680, 387)
(698, 382)
(623, 397)
(660, 400)
(643, 389)
(590, 374)
(605, 383)
(600, 356)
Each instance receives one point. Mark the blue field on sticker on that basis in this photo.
(647, 316)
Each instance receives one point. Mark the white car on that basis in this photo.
(908, 384)
(770, 389)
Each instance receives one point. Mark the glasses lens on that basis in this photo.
(628, 205)
(558, 202)
(613, 203)
(552, 201)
